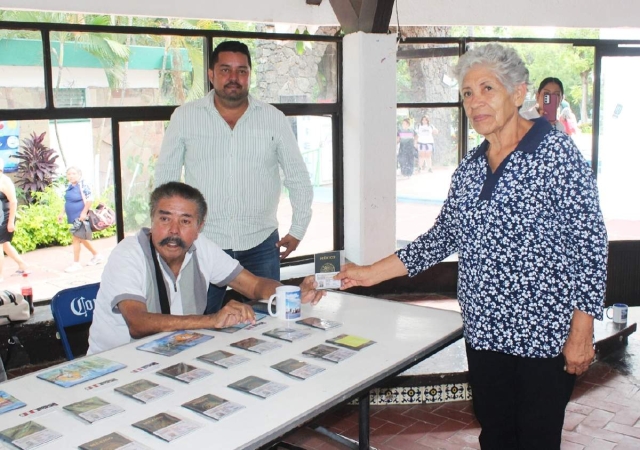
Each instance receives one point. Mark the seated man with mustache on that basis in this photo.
(129, 302)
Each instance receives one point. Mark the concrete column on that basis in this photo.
(369, 146)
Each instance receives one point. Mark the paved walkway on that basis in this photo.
(47, 269)
(604, 413)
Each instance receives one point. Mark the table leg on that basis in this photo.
(363, 405)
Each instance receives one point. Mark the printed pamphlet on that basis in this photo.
(80, 371)
(93, 409)
(256, 345)
(258, 386)
(351, 342)
(167, 427)
(287, 334)
(213, 406)
(144, 390)
(113, 441)
(174, 343)
(223, 359)
(8, 402)
(329, 353)
(184, 372)
(316, 322)
(29, 435)
(298, 369)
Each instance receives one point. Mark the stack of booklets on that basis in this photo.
(256, 345)
(329, 353)
(28, 435)
(174, 343)
(144, 390)
(184, 372)
(258, 386)
(166, 426)
(93, 409)
(223, 359)
(298, 369)
(213, 406)
(113, 441)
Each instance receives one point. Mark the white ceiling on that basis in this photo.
(566, 13)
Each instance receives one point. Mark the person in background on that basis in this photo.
(406, 149)
(128, 304)
(426, 144)
(549, 85)
(77, 202)
(523, 215)
(567, 118)
(8, 208)
(233, 148)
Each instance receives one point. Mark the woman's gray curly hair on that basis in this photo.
(505, 63)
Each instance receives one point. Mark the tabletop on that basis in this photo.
(403, 334)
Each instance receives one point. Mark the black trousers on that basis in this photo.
(519, 402)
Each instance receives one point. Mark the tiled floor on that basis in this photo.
(604, 413)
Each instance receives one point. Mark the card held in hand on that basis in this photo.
(327, 266)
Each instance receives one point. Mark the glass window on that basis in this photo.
(618, 158)
(427, 155)
(126, 70)
(42, 184)
(22, 81)
(424, 73)
(294, 71)
(140, 143)
(315, 139)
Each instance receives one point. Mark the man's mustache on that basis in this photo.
(236, 85)
(173, 240)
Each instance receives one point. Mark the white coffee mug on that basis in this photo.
(619, 312)
(288, 301)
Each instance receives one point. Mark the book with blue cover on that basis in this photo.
(174, 343)
(80, 371)
(8, 402)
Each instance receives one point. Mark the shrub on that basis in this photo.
(37, 166)
(37, 223)
(585, 128)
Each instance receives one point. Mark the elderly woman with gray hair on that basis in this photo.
(523, 215)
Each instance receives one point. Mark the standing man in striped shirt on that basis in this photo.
(232, 148)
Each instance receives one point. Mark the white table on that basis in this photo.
(405, 334)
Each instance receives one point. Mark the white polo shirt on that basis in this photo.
(130, 275)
